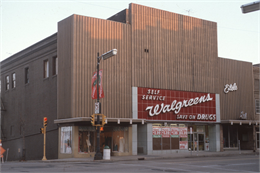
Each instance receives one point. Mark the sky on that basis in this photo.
(24, 23)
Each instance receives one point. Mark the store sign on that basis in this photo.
(174, 132)
(157, 133)
(166, 132)
(156, 104)
(183, 144)
(230, 88)
(183, 132)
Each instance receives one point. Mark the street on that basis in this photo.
(241, 163)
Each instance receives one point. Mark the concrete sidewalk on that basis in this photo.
(173, 155)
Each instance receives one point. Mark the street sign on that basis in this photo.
(97, 105)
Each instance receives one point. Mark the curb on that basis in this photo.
(141, 158)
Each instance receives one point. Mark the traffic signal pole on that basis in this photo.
(44, 143)
(44, 137)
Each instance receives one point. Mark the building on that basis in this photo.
(165, 91)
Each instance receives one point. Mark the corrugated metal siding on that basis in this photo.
(91, 36)
(182, 56)
(232, 103)
(64, 91)
(182, 50)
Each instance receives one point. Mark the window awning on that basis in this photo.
(241, 122)
(109, 120)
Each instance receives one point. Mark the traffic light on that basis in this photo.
(45, 120)
(41, 130)
(103, 120)
(92, 120)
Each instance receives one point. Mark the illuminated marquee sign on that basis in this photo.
(158, 104)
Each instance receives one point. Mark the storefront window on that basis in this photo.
(169, 137)
(157, 135)
(183, 136)
(230, 136)
(119, 139)
(66, 138)
(86, 139)
(166, 143)
(175, 136)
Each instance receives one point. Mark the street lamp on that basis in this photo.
(247, 8)
(105, 56)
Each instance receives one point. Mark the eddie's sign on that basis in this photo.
(158, 104)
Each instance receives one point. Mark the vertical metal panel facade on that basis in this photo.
(87, 37)
(234, 102)
(157, 49)
(182, 50)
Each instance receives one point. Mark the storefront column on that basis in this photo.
(134, 139)
(149, 139)
(142, 139)
(214, 138)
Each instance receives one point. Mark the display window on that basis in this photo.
(66, 140)
(120, 139)
(230, 136)
(86, 142)
(169, 137)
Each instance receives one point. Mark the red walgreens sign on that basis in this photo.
(159, 104)
(94, 85)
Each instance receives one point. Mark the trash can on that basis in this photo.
(106, 153)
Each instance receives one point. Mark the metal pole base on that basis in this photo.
(98, 156)
(44, 158)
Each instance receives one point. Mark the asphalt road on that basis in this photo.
(241, 163)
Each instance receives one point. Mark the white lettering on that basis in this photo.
(230, 88)
(176, 108)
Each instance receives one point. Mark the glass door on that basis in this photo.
(196, 141)
(201, 144)
(190, 142)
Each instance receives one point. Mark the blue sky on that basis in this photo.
(24, 23)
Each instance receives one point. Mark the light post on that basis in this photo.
(113, 52)
(250, 7)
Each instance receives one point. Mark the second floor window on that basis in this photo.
(45, 69)
(257, 106)
(55, 66)
(13, 80)
(7, 82)
(26, 75)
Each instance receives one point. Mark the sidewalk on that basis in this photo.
(162, 156)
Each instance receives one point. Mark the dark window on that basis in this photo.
(13, 80)
(257, 106)
(7, 83)
(45, 69)
(12, 130)
(55, 66)
(27, 75)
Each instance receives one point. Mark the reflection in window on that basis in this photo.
(120, 139)
(66, 138)
(55, 65)
(86, 139)
(46, 69)
(26, 75)
(13, 80)
(7, 83)
(170, 137)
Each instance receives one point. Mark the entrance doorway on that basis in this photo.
(257, 140)
(196, 141)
